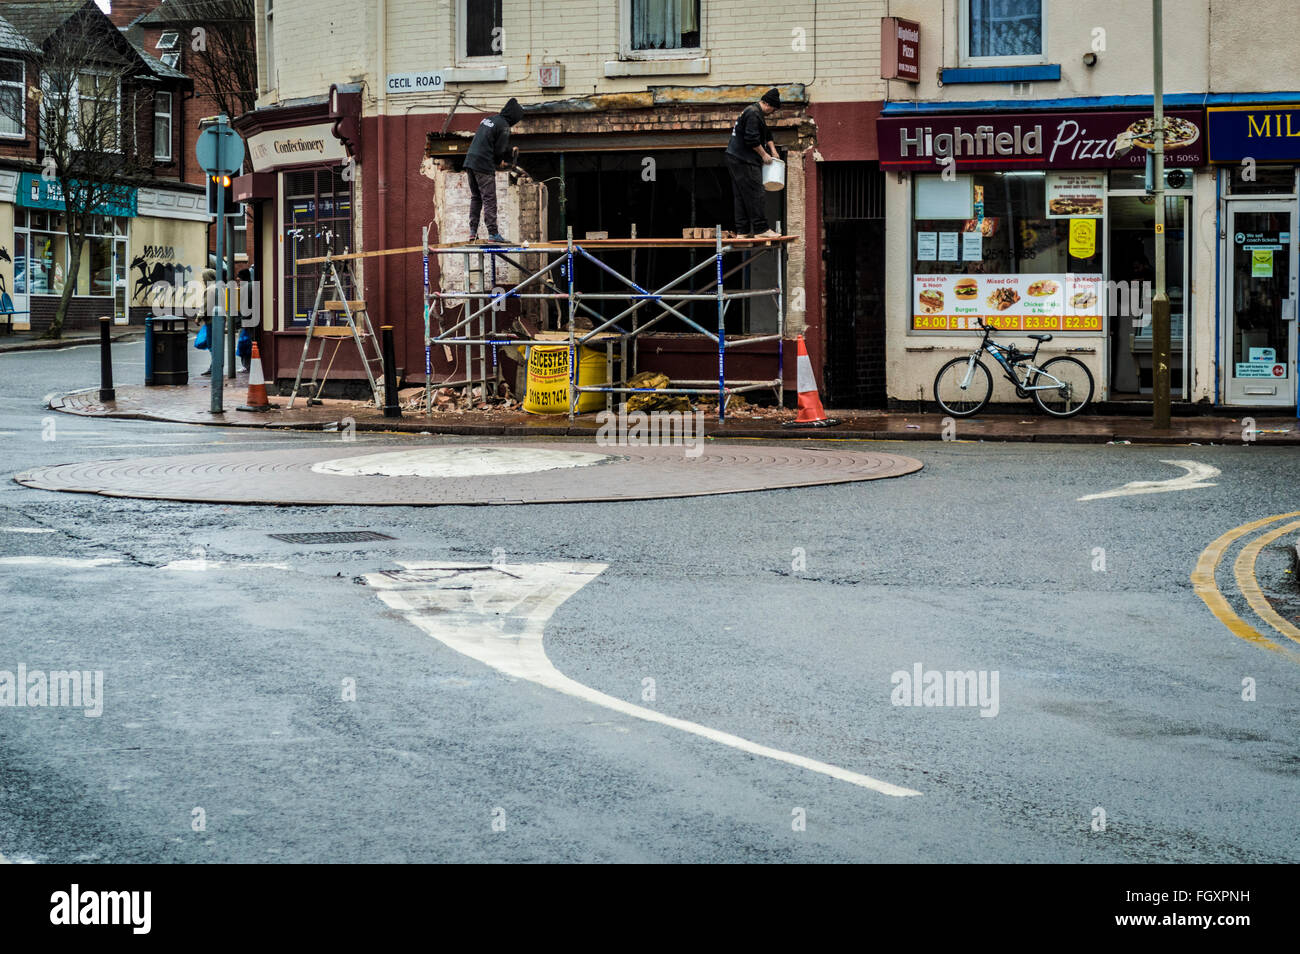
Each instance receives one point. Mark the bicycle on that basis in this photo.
(1062, 387)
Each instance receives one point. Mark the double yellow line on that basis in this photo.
(1244, 570)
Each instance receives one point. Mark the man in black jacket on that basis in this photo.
(750, 149)
(488, 153)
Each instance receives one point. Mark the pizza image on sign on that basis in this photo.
(1179, 133)
(1075, 205)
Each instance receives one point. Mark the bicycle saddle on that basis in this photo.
(1040, 338)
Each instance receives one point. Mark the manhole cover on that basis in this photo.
(332, 536)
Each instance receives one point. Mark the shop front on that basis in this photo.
(1040, 222)
(144, 237)
(1256, 150)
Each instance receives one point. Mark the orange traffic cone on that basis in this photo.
(257, 400)
(811, 413)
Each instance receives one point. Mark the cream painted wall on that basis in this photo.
(319, 42)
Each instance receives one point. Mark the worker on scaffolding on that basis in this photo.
(489, 152)
(750, 149)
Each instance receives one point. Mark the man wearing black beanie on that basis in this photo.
(751, 147)
(486, 154)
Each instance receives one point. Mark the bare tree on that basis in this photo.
(221, 56)
(84, 155)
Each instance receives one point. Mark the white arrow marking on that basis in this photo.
(497, 614)
(1197, 474)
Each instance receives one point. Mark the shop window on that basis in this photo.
(13, 99)
(1265, 180)
(162, 126)
(482, 32)
(317, 220)
(1021, 250)
(1004, 32)
(662, 24)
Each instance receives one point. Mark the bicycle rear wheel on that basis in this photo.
(958, 396)
(1073, 392)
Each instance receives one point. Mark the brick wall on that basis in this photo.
(837, 52)
(83, 313)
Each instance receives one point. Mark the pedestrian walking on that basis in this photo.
(751, 147)
(488, 153)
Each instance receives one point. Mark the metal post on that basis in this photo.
(392, 406)
(573, 351)
(218, 330)
(722, 331)
(780, 320)
(106, 391)
(1160, 344)
(148, 350)
(428, 357)
(232, 335)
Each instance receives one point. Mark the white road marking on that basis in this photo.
(199, 566)
(497, 615)
(24, 530)
(1196, 476)
(68, 563)
(457, 461)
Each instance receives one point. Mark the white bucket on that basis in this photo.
(774, 175)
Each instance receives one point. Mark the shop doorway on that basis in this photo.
(1260, 310)
(1132, 281)
(853, 209)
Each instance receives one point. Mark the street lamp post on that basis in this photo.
(1160, 300)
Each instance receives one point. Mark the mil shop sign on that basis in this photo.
(900, 49)
(1262, 133)
(36, 192)
(1047, 140)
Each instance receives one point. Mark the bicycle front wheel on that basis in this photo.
(963, 386)
(1071, 390)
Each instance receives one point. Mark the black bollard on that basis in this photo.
(392, 407)
(106, 392)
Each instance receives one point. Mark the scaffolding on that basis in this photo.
(479, 305)
(552, 279)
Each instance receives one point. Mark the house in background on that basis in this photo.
(158, 235)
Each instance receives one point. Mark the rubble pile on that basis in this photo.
(465, 398)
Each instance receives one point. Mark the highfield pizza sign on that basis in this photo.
(1046, 140)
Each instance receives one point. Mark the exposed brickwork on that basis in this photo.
(83, 313)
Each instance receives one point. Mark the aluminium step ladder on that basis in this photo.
(350, 309)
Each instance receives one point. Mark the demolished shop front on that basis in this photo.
(1035, 222)
(1256, 152)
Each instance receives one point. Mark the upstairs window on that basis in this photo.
(663, 24)
(162, 127)
(482, 33)
(13, 99)
(1005, 32)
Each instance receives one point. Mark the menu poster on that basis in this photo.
(927, 246)
(1053, 302)
(1073, 195)
(972, 247)
(948, 246)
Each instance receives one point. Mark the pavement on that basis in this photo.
(189, 404)
(33, 341)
